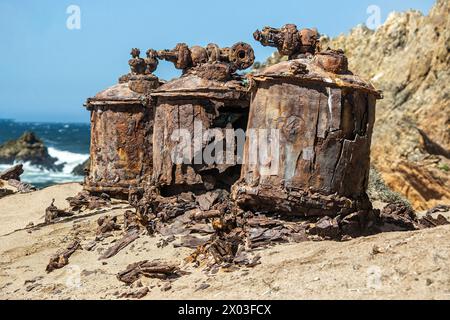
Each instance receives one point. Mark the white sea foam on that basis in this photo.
(35, 175)
(70, 159)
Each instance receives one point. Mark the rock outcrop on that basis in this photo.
(408, 59)
(28, 148)
(82, 169)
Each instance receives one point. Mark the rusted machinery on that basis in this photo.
(322, 118)
(239, 57)
(209, 95)
(121, 130)
(289, 40)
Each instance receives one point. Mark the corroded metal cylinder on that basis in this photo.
(192, 105)
(121, 140)
(324, 121)
(122, 128)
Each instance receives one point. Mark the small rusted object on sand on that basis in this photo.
(61, 259)
(121, 130)
(321, 117)
(52, 213)
(107, 224)
(150, 269)
(122, 243)
(209, 95)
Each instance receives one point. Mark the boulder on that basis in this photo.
(12, 173)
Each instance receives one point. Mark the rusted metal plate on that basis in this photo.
(117, 94)
(193, 86)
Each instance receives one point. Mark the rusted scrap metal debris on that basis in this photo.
(52, 213)
(133, 221)
(239, 57)
(137, 293)
(61, 259)
(234, 234)
(122, 243)
(86, 201)
(434, 218)
(289, 40)
(107, 224)
(150, 269)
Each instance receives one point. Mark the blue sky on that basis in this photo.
(47, 71)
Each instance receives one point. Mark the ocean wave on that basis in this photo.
(70, 159)
(42, 177)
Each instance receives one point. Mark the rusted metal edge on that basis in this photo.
(101, 189)
(308, 78)
(222, 94)
(106, 101)
(293, 201)
(108, 104)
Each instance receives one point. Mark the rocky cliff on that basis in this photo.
(408, 58)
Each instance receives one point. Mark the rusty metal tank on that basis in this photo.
(121, 133)
(208, 97)
(195, 104)
(322, 118)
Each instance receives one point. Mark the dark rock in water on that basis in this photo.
(82, 169)
(28, 148)
(12, 173)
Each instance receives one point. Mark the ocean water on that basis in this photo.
(68, 142)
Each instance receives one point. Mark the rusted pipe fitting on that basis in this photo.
(289, 40)
(332, 61)
(239, 57)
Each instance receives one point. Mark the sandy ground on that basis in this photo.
(406, 265)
